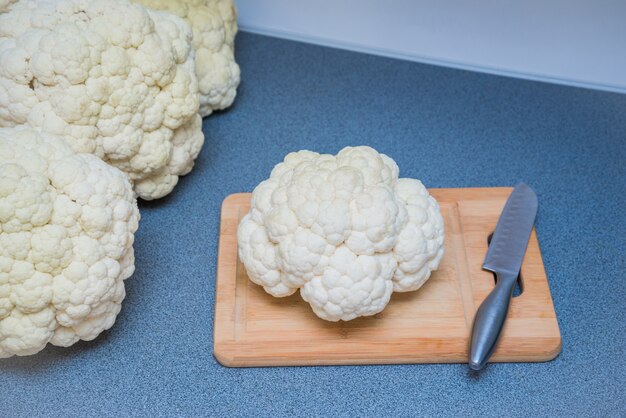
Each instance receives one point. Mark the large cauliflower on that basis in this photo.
(66, 233)
(112, 78)
(214, 24)
(343, 229)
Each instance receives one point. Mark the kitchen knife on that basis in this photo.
(504, 258)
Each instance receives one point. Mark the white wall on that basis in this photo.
(578, 42)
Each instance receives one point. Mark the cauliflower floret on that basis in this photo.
(214, 24)
(112, 78)
(343, 229)
(67, 224)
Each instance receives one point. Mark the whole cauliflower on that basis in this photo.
(343, 229)
(66, 233)
(214, 24)
(112, 78)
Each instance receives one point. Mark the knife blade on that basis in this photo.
(504, 258)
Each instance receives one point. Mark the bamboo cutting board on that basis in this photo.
(430, 325)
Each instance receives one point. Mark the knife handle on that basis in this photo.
(489, 320)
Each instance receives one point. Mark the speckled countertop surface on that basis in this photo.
(449, 128)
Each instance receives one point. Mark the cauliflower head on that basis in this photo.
(343, 229)
(112, 78)
(67, 224)
(214, 24)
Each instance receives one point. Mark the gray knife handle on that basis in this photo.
(489, 320)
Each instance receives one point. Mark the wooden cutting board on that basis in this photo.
(430, 325)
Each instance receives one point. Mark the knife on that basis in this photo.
(504, 258)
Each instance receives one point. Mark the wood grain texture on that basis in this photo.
(430, 325)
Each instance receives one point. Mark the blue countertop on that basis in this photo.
(449, 128)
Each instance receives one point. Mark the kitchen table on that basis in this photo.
(447, 127)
